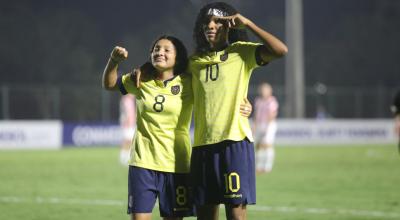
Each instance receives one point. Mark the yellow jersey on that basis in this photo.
(220, 82)
(164, 111)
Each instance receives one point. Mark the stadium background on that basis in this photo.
(52, 56)
(53, 53)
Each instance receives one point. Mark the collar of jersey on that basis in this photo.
(163, 84)
(209, 58)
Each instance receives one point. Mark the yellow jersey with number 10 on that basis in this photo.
(220, 82)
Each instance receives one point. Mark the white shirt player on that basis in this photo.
(127, 120)
(127, 116)
(266, 110)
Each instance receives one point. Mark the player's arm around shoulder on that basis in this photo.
(110, 74)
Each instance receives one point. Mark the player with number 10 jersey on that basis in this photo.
(222, 162)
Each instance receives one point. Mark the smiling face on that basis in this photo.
(215, 31)
(163, 55)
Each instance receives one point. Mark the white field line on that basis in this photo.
(258, 208)
(347, 212)
(55, 200)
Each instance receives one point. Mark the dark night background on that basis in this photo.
(351, 46)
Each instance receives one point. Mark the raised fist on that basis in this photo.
(119, 54)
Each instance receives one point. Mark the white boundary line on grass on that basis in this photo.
(55, 200)
(283, 209)
(352, 212)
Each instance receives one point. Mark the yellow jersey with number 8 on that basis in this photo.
(164, 111)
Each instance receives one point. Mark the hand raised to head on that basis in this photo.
(236, 21)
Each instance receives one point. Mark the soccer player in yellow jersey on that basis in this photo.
(222, 162)
(160, 154)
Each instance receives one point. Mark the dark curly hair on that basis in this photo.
(201, 44)
(181, 60)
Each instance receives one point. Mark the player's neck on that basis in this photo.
(165, 75)
(219, 46)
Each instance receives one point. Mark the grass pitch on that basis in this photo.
(330, 182)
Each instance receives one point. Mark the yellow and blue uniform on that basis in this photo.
(222, 163)
(160, 155)
(164, 111)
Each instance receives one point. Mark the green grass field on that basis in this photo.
(310, 183)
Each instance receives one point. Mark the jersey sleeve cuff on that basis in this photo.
(120, 85)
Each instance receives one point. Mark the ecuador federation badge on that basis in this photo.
(175, 89)
(224, 56)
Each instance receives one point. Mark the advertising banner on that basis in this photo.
(91, 134)
(335, 132)
(54, 134)
(30, 134)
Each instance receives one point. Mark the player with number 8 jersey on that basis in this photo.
(161, 149)
(164, 114)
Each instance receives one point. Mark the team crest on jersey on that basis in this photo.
(224, 56)
(175, 89)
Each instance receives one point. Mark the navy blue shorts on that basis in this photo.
(171, 189)
(224, 173)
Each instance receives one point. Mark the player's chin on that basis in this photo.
(161, 67)
(211, 39)
(158, 67)
(158, 64)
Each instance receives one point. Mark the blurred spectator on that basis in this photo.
(396, 111)
(264, 127)
(127, 120)
(321, 113)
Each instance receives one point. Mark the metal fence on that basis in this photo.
(92, 103)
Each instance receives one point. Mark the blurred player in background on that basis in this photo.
(264, 126)
(321, 113)
(127, 120)
(396, 111)
(222, 164)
